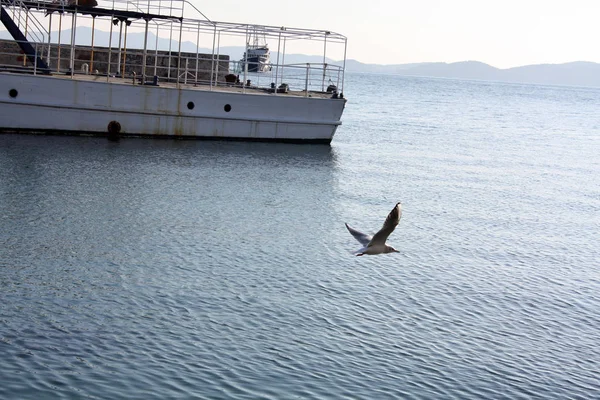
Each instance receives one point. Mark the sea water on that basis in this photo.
(145, 269)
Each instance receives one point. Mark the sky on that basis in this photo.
(504, 34)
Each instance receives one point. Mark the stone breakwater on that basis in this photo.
(95, 61)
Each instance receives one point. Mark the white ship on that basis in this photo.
(257, 56)
(149, 89)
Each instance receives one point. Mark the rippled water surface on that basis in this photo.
(168, 269)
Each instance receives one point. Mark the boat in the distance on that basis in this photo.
(257, 56)
(148, 68)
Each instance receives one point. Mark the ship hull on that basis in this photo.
(58, 105)
(256, 64)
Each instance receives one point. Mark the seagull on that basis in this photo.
(376, 244)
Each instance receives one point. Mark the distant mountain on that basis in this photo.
(357, 66)
(578, 73)
(135, 40)
(460, 70)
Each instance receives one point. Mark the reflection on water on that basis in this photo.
(139, 151)
(79, 190)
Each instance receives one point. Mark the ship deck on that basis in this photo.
(193, 53)
(220, 87)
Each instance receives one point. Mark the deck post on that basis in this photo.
(112, 22)
(120, 41)
(25, 34)
(156, 44)
(170, 44)
(283, 60)
(49, 35)
(277, 66)
(179, 50)
(324, 59)
(145, 52)
(179, 54)
(156, 51)
(212, 63)
(218, 59)
(306, 81)
(344, 66)
(127, 23)
(58, 49)
(197, 51)
(246, 61)
(92, 50)
(73, 37)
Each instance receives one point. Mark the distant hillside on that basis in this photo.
(357, 66)
(578, 73)
(135, 40)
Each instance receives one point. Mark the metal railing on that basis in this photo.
(166, 53)
(27, 21)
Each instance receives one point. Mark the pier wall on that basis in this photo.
(160, 63)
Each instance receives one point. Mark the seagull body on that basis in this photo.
(376, 244)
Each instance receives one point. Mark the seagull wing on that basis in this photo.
(361, 237)
(388, 226)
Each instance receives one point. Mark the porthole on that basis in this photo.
(13, 93)
(227, 107)
(191, 105)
